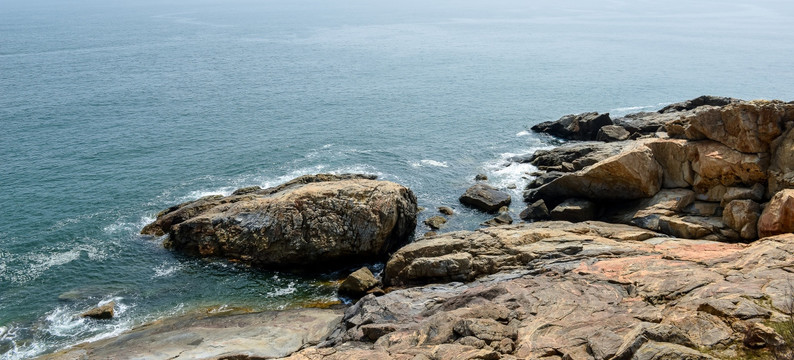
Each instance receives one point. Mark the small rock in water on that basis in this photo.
(485, 198)
(481, 177)
(357, 283)
(435, 222)
(446, 210)
(512, 186)
(103, 312)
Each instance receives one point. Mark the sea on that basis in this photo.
(111, 111)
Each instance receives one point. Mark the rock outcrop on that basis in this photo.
(575, 127)
(314, 221)
(725, 150)
(558, 290)
(265, 335)
(778, 216)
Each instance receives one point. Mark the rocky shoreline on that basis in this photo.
(663, 235)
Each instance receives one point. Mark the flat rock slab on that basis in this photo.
(271, 334)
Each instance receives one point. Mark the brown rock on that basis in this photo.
(747, 127)
(485, 197)
(435, 222)
(312, 222)
(358, 283)
(446, 210)
(742, 216)
(754, 193)
(675, 158)
(781, 168)
(717, 164)
(102, 312)
(575, 210)
(610, 133)
(632, 174)
(778, 215)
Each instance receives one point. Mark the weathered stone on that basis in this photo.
(446, 210)
(778, 215)
(102, 312)
(314, 221)
(579, 155)
(485, 329)
(485, 197)
(703, 208)
(742, 216)
(610, 133)
(754, 193)
(759, 335)
(632, 174)
(272, 334)
(705, 100)
(376, 331)
(575, 210)
(535, 211)
(435, 222)
(503, 218)
(583, 126)
(717, 164)
(675, 158)
(781, 168)
(358, 283)
(747, 127)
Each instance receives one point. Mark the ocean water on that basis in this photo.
(114, 110)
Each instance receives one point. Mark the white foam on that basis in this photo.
(523, 133)
(32, 265)
(165, 270)
(289, 289)
(429, 162)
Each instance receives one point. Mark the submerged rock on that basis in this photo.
(312, 222)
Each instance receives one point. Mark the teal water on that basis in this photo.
(112, 111)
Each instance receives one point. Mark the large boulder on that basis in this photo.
(778, 215)
(314, 221)
(575, 126)
(746, 127)
(485, 197)
(632, 174)
(675, 157)
(610, 133)
(717, 164)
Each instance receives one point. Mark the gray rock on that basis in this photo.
(576, 126)
(481, 177)
(578, 155)
(610, 133)
(705, 100)
(485, 198)
(575, 210)
(754, 193)
(535, 211)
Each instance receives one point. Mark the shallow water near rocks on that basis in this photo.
(113, 111)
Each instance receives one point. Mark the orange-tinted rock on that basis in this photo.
(778, 216)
